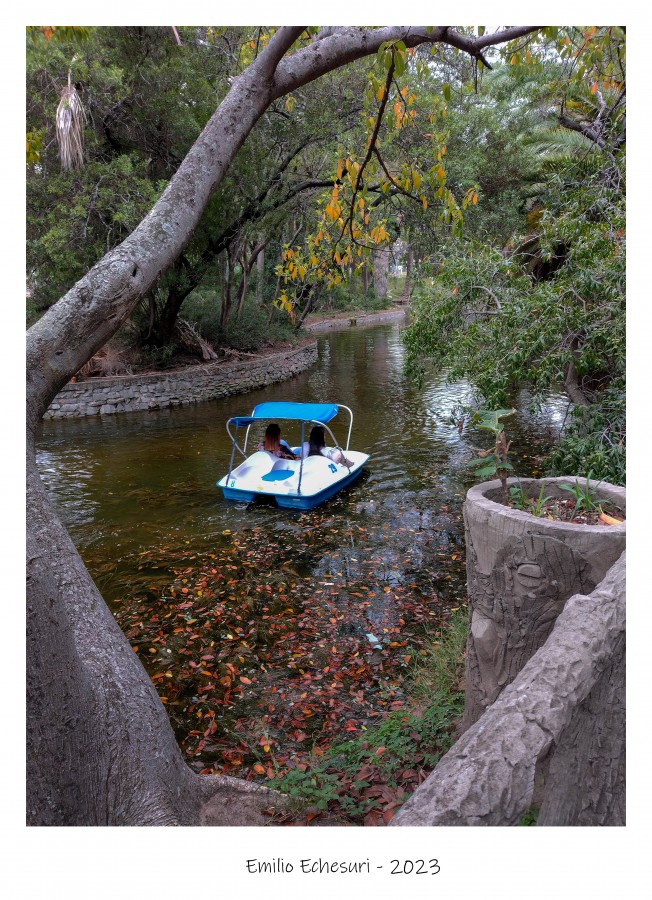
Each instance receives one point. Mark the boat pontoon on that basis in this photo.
(298, 484)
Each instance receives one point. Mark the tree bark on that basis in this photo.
(408, 273)
(260, 275)
(247, 266)
(253, 212)
(100, 748)
(381, 270)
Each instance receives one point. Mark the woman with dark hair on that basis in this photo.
(316, 446)
(316, 441)
(274, 444)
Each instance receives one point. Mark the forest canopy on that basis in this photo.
(495, 182)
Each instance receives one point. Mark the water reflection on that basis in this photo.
(134, 482)
(384, 559)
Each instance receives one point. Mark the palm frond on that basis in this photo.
(557, 141)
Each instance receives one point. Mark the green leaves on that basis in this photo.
(490, 465)
(34, 141)
(486, 471)
(395, 51)
(484, 317)
(490, 419)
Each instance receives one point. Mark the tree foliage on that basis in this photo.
(507, 184)
(548, 312)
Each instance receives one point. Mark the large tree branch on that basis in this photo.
(279, 44)
(93, 310)
(346, 45)
(584, 129)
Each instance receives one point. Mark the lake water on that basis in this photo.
(384, 559)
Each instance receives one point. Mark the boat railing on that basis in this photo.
(304, 422)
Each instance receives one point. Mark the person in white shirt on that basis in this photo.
(316, 446)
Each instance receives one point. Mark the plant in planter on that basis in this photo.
(519, 499)
(494, 462)
(588, 502)
(589, 508)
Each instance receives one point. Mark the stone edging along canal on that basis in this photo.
(355, 320)
(181, 387)
(196, 384)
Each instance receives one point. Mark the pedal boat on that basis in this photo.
(295, 484)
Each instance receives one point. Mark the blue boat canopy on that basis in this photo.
(302, 412)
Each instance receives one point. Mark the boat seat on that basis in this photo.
(259, 463)
(291, 464)
(282, 469)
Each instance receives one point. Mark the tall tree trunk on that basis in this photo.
(260, 275)
(227, 299)
(381, 271)
(247, 266)
(408, 273)
(243, 287)
(365, 279)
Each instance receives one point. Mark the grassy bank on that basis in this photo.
(365, 780)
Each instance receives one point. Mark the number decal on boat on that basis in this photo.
(332, 467)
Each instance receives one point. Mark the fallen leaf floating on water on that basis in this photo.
(280, 660)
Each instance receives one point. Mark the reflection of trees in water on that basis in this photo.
(118, 502)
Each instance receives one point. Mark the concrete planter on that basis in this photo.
(521, 570)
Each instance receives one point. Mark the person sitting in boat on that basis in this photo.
(274, 444)
(316, 446)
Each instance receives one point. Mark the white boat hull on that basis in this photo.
(263, 474)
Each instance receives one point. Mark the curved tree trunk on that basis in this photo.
(100, 747)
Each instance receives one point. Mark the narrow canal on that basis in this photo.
(270, 633)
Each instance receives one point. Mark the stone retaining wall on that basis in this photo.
(126, 393)
(356, 320)
(554, 738)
